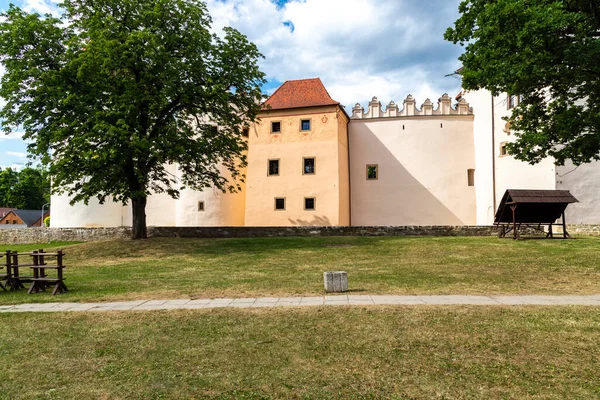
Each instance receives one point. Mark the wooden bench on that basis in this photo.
(40, 279)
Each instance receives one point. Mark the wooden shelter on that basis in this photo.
(532, 208)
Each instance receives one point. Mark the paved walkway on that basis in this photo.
(339, 300)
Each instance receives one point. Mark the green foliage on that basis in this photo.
(547, 51)
(124, 89)
(47, 222)
(28, 189)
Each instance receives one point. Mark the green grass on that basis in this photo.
(199, 268)
(316, 353)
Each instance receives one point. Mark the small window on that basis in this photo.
(200, 206)
(511, 101)
(14, 221)
(309, 203)
(305, 125)
(503, 151)
(471, 177)
(273, 168)
(245, 132)
(275, 127)
(308, 167)
(279, 203)
(372, 172)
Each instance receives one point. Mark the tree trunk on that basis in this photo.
(138, 225)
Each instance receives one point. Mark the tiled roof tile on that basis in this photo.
(300, 93)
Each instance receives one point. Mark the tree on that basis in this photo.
(119, 89)
(28, 189)
(547, 51)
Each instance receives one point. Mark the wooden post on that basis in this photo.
(9, 277)
(564, 224)
(513, 207)
(550, 233)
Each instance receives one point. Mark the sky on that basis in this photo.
(359, 48)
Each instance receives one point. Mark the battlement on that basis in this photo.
(410, 110)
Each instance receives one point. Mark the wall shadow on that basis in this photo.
(316, 221)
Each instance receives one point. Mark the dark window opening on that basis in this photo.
(372, 172)
(280, 203)
(275, 127)
(305, 125)
(200, 206)
(309, 166)
(245, 132)
(273, 167)
(309, 203)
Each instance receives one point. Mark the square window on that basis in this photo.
(273, 168)
(245, 132)
(471, 177)
(309, 203)
(308, 167)
(503, 151)
(275, 127)
(372, 172)
(305, 125)
(279, 203)
(200, 206)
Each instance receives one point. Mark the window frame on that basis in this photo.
(314, 165)
(201, 206)
(275, 204)
(501, 148)
(471, 177)
(309, 125)
(269, 166)
(376, 172)
(280, 128)
(245, 132)
(314, 199)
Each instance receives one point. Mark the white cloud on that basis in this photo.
(359, 48)
(12, 135)
(16, 167)
(18, 154)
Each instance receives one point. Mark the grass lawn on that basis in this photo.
(336, 352)
(200, 268)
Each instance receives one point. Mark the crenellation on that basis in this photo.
(410, 109)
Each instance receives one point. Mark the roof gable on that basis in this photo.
(300, 93)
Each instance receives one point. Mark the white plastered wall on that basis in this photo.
(584, 183)
(510, 173)
(422, 162)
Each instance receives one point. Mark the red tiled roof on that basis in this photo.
(300, 93)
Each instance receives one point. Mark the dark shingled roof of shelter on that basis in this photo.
(298, 94)
(533, 206)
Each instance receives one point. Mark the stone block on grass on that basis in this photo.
(335, 281)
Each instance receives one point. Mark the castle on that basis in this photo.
(310, 163)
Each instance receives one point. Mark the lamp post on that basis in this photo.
(44, 206)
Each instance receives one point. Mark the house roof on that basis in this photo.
(5, 210)
(30, 217)
(300, 93)
(533, 206)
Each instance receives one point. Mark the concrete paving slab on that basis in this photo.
(199, 301)
(177, 302)
(337, 297)
(457, 299)
(243, 300)
(267, 300)
(155, 302)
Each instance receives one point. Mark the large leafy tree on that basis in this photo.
(28, 189)
(547, 51)
(114, 91)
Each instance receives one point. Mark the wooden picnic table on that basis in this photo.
(40, 279)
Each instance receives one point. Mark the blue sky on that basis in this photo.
(359, 48)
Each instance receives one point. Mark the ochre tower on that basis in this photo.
(298, 159)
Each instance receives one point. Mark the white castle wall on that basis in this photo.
(423, 156)
(510, 173)
(109, 214)
(583, 182)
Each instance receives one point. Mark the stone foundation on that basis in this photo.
(43, 235)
